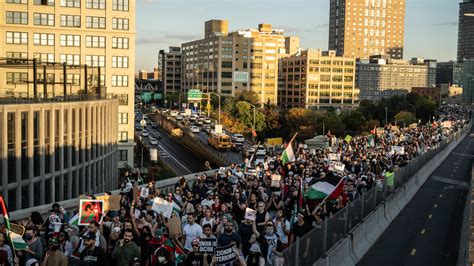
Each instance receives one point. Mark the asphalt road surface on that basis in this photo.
(234, 157)
(176, 155)
(427, 231)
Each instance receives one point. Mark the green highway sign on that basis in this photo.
(158, 96)
(194, 95)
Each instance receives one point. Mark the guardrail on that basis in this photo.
(345, 237)
(166, 186)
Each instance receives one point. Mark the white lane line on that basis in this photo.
(184, 167)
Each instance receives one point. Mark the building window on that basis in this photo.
(17, 17)
(119, 81)
(70, 21)
(120, 5)
(17, 77)
(15, 55)
(226, 75)
(70, 59)
(95, 22)
(120, 43)
(122, 155)
(71, 3)
(72, 79)
(123, 118)
(44, 2)
(44, 57)
(95, 60)
(120, 23)
(17, 1)
(11, 157)
(119, 61)
(17, 37)
(70, 40)
(93, 80)
(43, 19)
(123, 99)
(95, 4)
(122, 136)
(44, 39)
(95, 41)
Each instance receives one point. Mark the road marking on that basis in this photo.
(440, 195)
(436, 206)
(413, 252)
(184, 167)
(430, 216)
(450, 181)
(463, 154)
(422, 231)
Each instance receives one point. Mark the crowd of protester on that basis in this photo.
(213, 206)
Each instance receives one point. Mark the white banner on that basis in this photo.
(154, 155)
(398, 149)
(337, 166)
(162, 207)
(334, 157)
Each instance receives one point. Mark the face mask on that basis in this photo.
(270, 231)
(161, 259)
(28, 237)
(228, 230)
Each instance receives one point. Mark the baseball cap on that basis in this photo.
(89, 236)
(158, 232)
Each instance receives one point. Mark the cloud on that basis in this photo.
(291, 29)
(452, 23)
(151, 40)
(183, 36)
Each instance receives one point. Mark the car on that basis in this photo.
(156, 135)
(174, 113)
(153, 141)
(192, 118)
(207, 121)
(199, 123)
(138, 128)
(154, 126)
(194, 129)
(145, 133)
(238, 138)
(261, 151)
(236, 146)
(179, 117)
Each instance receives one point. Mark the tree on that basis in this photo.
(248, 96)
(272, 122)
(244, 113)
(300, 120)
(405, 118)
(353, 120)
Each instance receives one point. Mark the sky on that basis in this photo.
(430, 25)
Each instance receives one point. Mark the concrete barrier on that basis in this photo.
(359, 237)
(340, 254)
(372, 228)
(391, 208)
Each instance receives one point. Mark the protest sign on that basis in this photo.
(221, 170)
(90, 210)
(207, 245)
(399, 149)
(174, 227)
(447, 124)
(225, 255)
(276, 180)
(111, 202)
(334, 156)
(250, 214)
(137, 213)
(337, 166)
(162, 207)
(144, 192)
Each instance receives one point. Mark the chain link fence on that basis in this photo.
(312, 246)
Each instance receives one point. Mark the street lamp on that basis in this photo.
(209, 100)
(386, 115)
(143, 124)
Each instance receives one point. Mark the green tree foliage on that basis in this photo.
(404, 118)
(353, 120)
(248, 96)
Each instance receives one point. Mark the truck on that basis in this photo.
(219, 141)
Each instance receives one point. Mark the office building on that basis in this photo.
(465, 31)
(468, 81)
(445, 92)
(362, 28)
(170, 68)
(382, 77)
(317, 79)
(143, 74)
(231, 62)
(96, 33)
(449, 73)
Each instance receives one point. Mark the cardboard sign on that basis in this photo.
(398, 149)
(337, 166)
(162, 207)
(90, 210)
(221, 170)
(144, 192)
(250, 214)
(111, 202)
(137, 214)
(207, 245)
(276, 180)
(225, 255)
(334, 156)
(174, 227)
(447, 124)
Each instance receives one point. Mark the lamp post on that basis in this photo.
(143, 124)
(209, 100)
(386, 115)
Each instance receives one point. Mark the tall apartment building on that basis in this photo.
(381, 77)
(317, 79)
(465, 31)
(170, 69)
(449, 73)
(362, 28)
(468, 81)
(97, 33)
(230, 62)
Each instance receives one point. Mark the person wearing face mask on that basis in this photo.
(54, 256)
(271, 244)
(162, 258)
(125, 250)
(34, 251)
(92, 255)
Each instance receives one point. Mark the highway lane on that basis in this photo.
(177, 156)
(235, 157)
(427, 231)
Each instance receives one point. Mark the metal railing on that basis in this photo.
(314, 245)
(25, 98)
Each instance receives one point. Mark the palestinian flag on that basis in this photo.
(177, 206)
(174, 249)
(288, 155)
(74, 220)
(329, 187)
(371, 141)
(16, 235)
